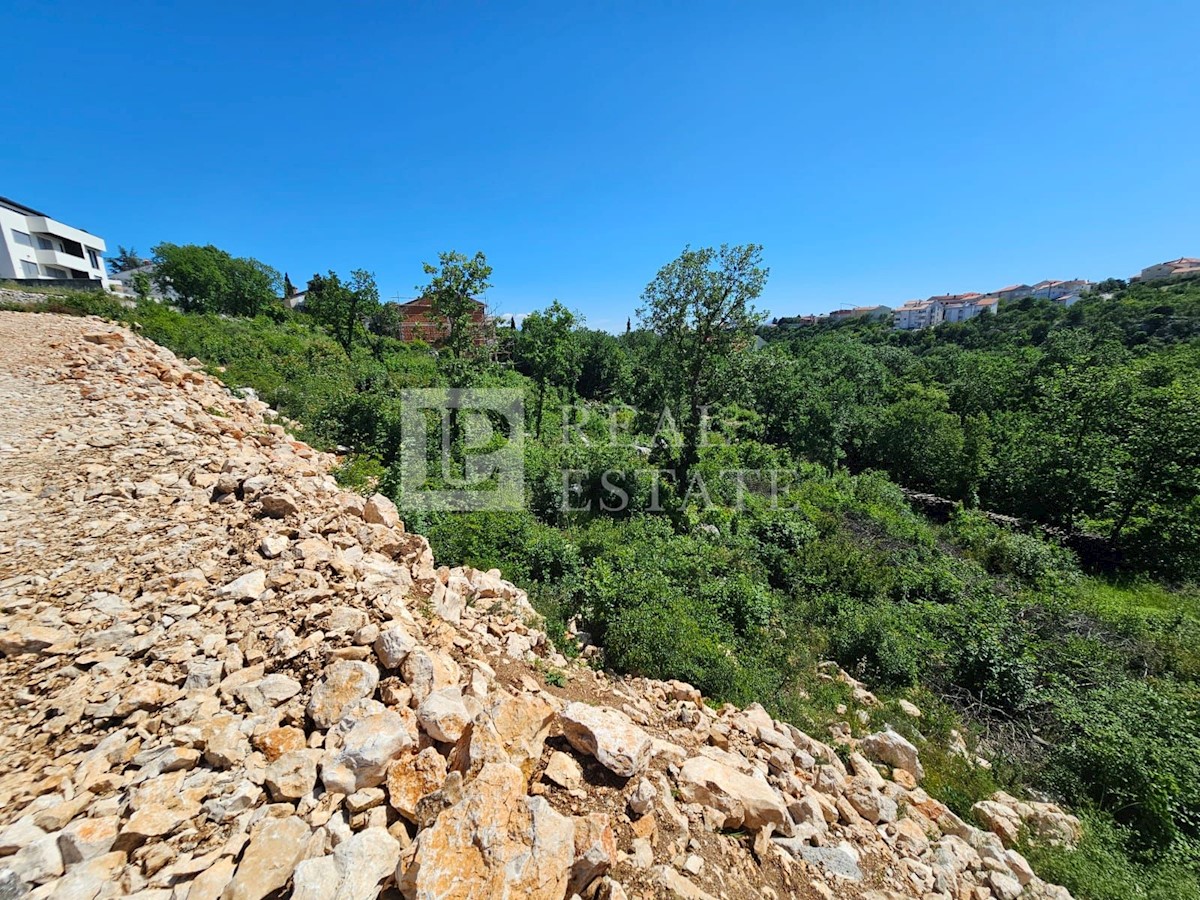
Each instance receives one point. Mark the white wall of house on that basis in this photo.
(919, 315)
(122, 283)
(33, 245)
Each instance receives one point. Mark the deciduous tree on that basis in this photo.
(207, 279)
(548, 348)
(454, 288)
(701, 307)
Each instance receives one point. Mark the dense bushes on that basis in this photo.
(1087, 418)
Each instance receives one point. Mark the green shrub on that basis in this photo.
(674, 639)
(1101, 867)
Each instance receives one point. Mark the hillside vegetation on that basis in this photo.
(1077, 682)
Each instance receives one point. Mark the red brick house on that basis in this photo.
(418, 323)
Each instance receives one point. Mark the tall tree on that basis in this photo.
(289, 289)
(207, 279)
(125, 260)
(701, 307)
(453, 290)
(548, 348)
(344, 308)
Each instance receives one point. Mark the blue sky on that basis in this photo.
(879, 151)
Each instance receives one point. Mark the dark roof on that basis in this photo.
(21, 207)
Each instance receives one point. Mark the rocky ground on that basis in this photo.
(223, 677)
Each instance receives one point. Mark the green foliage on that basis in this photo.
(124, 260)
(360, 472)
(455, 285)
(1133, 748)
(345, 308)
(207, 279)
(701, 308)
(548, 351)
(1004, 552)
(141, 285)
(1100, 868)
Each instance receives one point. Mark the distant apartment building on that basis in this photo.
(917, 314)
(873, 313)
(1058, 290)
(968, 306)
(37, 247)
(1185, 265)
(1014, 292)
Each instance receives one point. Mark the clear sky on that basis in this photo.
(879, 151)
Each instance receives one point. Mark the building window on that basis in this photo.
(93, 258)
(57, 273)
(30, 268)
(44, 244)
(22, 238)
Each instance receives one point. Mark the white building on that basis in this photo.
(123, 283)
(1057, 290)
(35, 246)
(916, 314)
(1185, 265)
(968, 306)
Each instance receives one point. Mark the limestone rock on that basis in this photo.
(367, 749)
(426, 671)
(495, 842)
(39, 861)
(895, 750)
(610, 736)
(343, 682)
(291, 776)
(278, 506)
(224, 743)
(443, 715)
(278, 741)
(30, 639)
(211, 883)
(270, 858)
(642, 799)
(86, 839)
(247, 587)
(379, 510)
(273, 546)
(413, 776)
(595, 851)
(743, 799)
(393, 645)
(563, 770)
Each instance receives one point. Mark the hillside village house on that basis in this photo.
(122, 283)
(1014, 292)
(1185, 265)
(36, 247)
(860, 312)
(968, 306)
(418, 323)
(1057, 290)
(916, 314)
